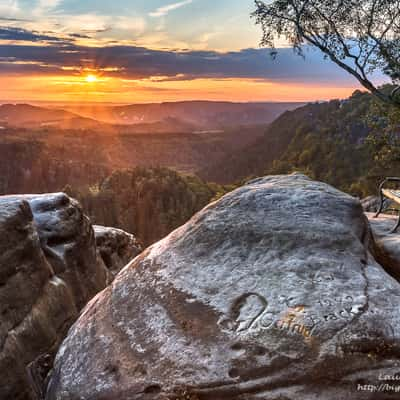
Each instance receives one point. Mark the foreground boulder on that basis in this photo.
(269, 293)
(387, 244)
(371, 204)
(115, 247)
(48, 272)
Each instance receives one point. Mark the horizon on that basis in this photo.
(63, 51)
(43, 103)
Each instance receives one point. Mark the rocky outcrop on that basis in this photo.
(372, 203)
(115, 247)
(268, 293)
(48, 272)
(387, 244)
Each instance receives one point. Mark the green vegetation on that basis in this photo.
(149, 202)
(351, 144)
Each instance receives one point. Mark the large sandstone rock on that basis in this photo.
(269, 293)
(371, 204)
(48, 272)
(115, 247)
(387, 244)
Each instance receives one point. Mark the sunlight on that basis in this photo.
(91, 78)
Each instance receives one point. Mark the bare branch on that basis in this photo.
(360, 36)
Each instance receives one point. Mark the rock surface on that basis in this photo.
(115, 247)
(372, 203)
(48, 272)
(268, 293)
(387, 245)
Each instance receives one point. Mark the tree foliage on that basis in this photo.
(351, 144)
(149, 202)
(360, 36)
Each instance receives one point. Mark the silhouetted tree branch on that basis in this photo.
(360, 36)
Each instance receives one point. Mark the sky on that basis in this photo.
(132, 51)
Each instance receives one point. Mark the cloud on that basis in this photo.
(129, 24)
(49, 3)
(9, 8)
(44, 6)
(67, 54)
(86, 23)
(96, 24)
(162, 11)
(19, 34)
(6, 19)
(131, 62)
(79, 36)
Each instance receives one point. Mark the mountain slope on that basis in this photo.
(188, 117)
(204, 114)
(322, 139)
(21, 114)
(46, 159)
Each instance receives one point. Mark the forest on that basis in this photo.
(351, 144)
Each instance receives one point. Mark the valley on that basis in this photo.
(44, 149)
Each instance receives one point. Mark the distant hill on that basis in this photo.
(47, 158)
(256, 158)
(43, 148)
(325, 140)
(24, 113)
(203, 114)
(186, 117)
(34, 117)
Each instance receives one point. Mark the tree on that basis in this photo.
(360, 36)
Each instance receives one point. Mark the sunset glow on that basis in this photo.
(91, 78)
(152, 51)
(117, 90)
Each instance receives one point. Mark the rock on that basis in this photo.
(115, 247)
(268, 293)
(387, 245)
(372, 203)
(68, 241)
(48, 272)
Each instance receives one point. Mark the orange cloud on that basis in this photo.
(113, 89)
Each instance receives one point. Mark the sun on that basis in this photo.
(91, 78)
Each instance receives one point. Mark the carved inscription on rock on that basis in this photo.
(253, 312)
